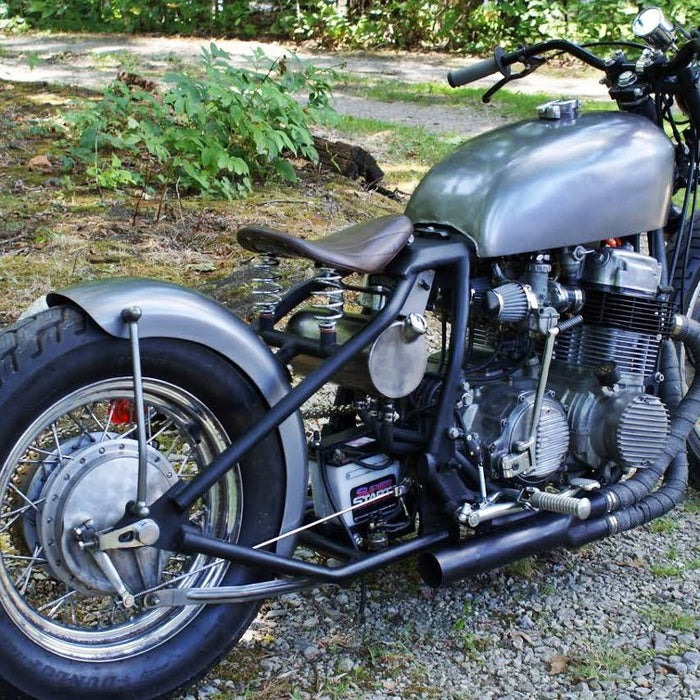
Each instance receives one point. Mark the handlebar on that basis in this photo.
(475, 71)
(501, 60)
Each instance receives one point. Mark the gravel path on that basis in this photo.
(88, 61)
(617, 619)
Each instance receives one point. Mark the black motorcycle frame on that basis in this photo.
(450, 259)
(449, 256)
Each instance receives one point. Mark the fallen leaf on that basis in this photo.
(519, 634)
(558, 664)
(202, 267)
(636, 563)
(39, 163)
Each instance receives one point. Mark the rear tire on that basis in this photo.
(66, 454)
(690, 284)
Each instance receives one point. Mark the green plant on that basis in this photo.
(662, 526)
(602, 661)
(666, 570)
(665, 617)
(214, 134)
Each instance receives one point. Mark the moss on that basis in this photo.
(57, 230)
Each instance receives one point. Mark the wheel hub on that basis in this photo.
(92, 486)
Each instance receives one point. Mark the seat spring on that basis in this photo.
(330, 300)
(267, 290)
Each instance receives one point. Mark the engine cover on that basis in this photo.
(503, 416)
(627, 428)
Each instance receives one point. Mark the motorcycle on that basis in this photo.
(517, 376)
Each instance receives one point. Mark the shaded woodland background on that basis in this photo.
(462, 25)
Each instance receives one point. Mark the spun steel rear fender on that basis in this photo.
(170, 311)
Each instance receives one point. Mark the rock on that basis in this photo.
(660, 642)
(526, 622)
(346, 664)
(311, 652)
(692, 660)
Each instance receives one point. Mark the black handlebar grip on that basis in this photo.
(475, 71)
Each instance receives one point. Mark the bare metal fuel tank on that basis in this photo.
(546, 184)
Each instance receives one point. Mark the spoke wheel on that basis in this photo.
(69, 467)
(76, 466)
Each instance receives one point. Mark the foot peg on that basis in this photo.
(557, 503)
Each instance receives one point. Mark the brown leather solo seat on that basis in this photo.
(367, 247)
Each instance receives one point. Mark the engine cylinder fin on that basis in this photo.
(627, 312)
(590, 346)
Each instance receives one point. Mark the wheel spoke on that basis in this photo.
(25, 577)
(15, 514)
(108, 423)
(79, 425)
(157, 434)
(54, 432)
(53, 606)
(34, 448)
(174, 447)
(184, 461)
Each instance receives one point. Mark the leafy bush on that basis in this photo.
(472, 25)
(215, 134)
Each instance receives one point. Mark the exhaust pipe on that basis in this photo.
(538, 534)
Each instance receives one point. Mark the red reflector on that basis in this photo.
(613, 242)
(122, 411)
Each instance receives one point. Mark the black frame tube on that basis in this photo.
(423, 254)
(294, 399)
(455, 358)
(192, 541)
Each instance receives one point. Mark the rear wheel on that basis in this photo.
(68, 459)
(687, 278)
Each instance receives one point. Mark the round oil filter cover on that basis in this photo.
(397, 361)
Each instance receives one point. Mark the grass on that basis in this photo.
(691, 503)
(413, 143)
(662, 526)
(665, 617)
(603, 662)
(666, 570)
(506, 103)
(522, 568)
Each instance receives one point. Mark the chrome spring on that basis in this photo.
(330, 300)
(267, 290)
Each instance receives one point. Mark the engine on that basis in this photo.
(586, 385)
(558, 390)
